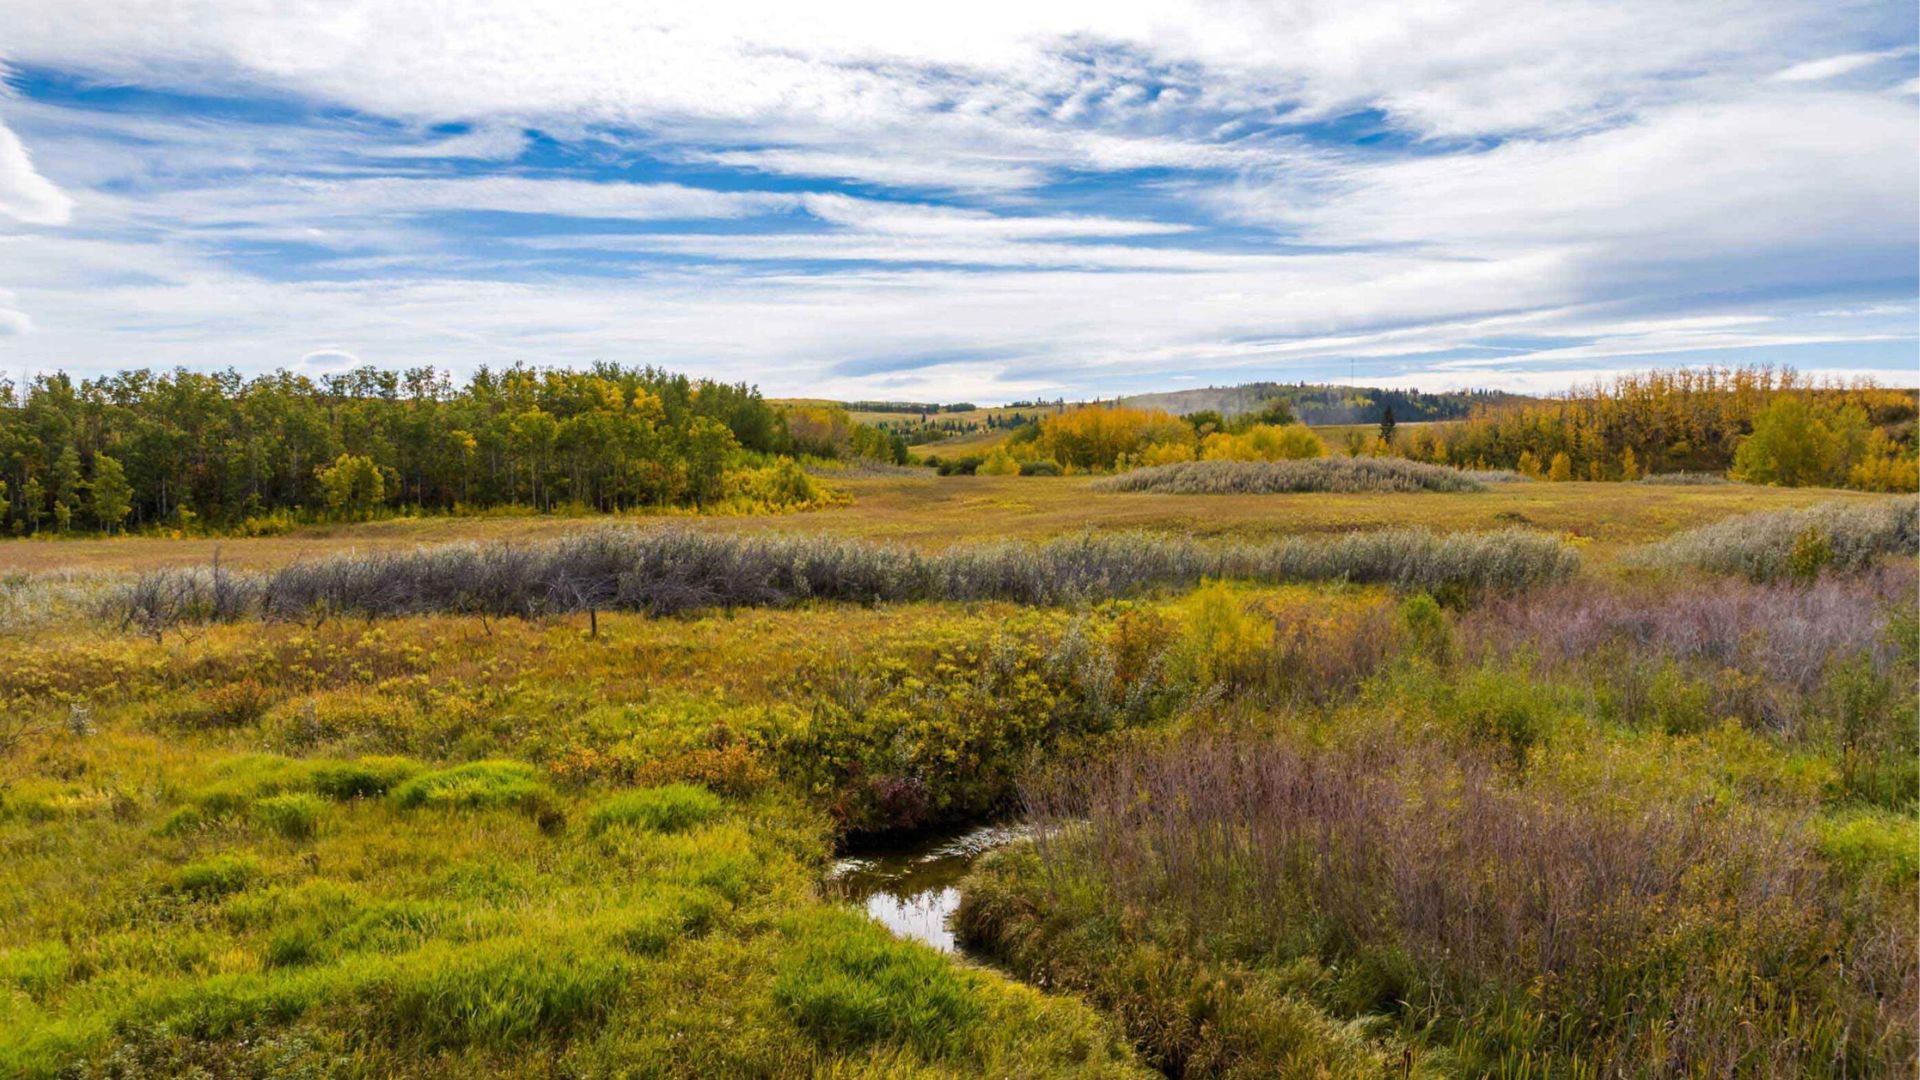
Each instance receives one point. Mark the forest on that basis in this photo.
(1755, 425)
(177, 449)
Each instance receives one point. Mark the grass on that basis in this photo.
(668, 808)
(1394, 824)
(929, 513)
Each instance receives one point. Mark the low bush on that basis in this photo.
(1336, 474)
(1838, 537)
(663, 571)
(1685, 479)
(670, 808)
(1511, 927)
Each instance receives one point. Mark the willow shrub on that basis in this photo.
(1351, 474)
(665, 571)
(1792, 544)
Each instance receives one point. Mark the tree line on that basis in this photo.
(143, 448)
(1758, 424)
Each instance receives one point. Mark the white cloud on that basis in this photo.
(1470, 66)
(1612, 178)
(25, 195)
(1718, 182)
(1832, 67)
(485, 144)
(950, 173)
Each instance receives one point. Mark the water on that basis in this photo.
(913, 889)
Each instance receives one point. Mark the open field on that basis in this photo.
(347, 833)
(929, 513)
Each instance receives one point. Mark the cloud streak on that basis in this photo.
(1074, 197)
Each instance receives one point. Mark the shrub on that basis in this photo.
(1221, 477)
(1222, 640)
(671, 808)
(999, 463)
(294, 816)
(1510, 925)
(479, 785)
(1427, 626)
(1685, 479)
(663, 571)
(1876, 846)
(1840, 536)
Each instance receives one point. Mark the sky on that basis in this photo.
(986, 201)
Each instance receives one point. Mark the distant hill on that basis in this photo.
(1326, 403)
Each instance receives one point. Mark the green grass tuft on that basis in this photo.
(479, 785)
(847, 983)
(671, 808)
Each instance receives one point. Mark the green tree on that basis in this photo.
(1790, 446)
(710, 445)
(112, 495)
(66, 487)
(33, 501)
(1386, 426)
(999, 463)
(353, 485)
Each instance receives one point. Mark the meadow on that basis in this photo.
(1518, 779)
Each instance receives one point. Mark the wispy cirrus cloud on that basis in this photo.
(987, 201)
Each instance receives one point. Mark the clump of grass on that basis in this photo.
(849, 984)
(670, 808)
(364, 778)
(1838, 537)
(218, 876)
(499, 995)
(664, 571)
(1327, 474)
(295, 816)
(478, 785)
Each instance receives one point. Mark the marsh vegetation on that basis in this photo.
(1352, 801)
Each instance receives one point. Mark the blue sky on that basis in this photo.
(987, 202)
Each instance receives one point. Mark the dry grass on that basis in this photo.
(930, 513)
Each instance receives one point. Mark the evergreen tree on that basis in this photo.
(1386, 426)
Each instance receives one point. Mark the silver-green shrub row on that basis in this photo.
(1842, 536)
(1331, 474)
(662, 571)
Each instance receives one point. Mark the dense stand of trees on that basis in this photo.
(1757, 424)
(144, 448)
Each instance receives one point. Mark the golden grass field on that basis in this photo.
(930, 512)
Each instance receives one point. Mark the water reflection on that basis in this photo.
(913, 889)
